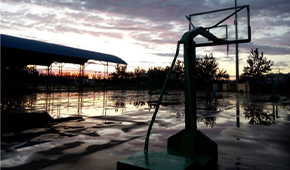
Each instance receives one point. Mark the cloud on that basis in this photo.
(153, 25)
(166, 55)
(281, 64)
(269, 8)
(267, 49)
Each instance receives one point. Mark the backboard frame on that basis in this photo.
(224, 42)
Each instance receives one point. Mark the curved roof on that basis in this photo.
(24, 51)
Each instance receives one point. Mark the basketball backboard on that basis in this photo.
(221, 23)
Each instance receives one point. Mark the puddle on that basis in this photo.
(112, 117)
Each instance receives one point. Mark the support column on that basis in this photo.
(81, 77)
(60, 66)
(106, 70)
(80, 92)
(48, 81)
(190, 89)
(48, 70)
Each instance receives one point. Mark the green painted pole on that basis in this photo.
(190, 90)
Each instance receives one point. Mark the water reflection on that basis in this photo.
(65, 104)
(209, 121)
(259, 113)
(237, 111)
(138, 104)
(118, 103)
(18, 103)
(114, 117)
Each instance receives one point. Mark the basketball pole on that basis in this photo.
(237, 49)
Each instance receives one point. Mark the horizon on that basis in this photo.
(98, 73)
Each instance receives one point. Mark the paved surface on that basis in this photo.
(251, 133)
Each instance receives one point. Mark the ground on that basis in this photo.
(251, 132)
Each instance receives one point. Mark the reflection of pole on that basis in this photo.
(46, 102)
(94, 98)
(95, 81)
(80, 92)
(52, 105)
(237, 49)
(104, 102)
(275, 111)
(68, 100)
(49, 104)
(58, 116)
(80, 102)
(237, 111)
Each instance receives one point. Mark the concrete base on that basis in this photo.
(154, 160)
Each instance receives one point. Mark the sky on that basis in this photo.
(144, 33)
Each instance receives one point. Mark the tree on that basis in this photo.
(258, 66)
(222, 75)
(178, 70)
(138, 71)
(207, 69)
(120, 72)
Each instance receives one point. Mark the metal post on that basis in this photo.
(106, 70)
(48, 86)
(60, 66)
(237, 49)
(81, 77)
(80, 93)
(190, 91)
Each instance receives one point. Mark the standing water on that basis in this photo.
(110, 125)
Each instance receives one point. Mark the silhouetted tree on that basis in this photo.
(120, 72)
(222, 75)
(207, 69)
(178, 70)
(258, 66)
(157, 76)
(17, 76)
(138, 71)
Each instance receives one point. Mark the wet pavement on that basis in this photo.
(251, 132)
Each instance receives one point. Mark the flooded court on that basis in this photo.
(251, 132)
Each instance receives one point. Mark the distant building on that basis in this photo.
(280, 80)
(244, 87)
(279, 77)
(229, 86)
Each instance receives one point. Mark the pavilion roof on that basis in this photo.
(15, 50)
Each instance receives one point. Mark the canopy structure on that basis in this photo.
(20, 51)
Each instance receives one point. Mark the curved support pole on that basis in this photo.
(160, 99)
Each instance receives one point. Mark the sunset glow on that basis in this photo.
(144, 33)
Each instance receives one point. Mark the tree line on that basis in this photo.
(207, 72)
(207, 69)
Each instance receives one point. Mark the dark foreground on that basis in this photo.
(251, 132)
